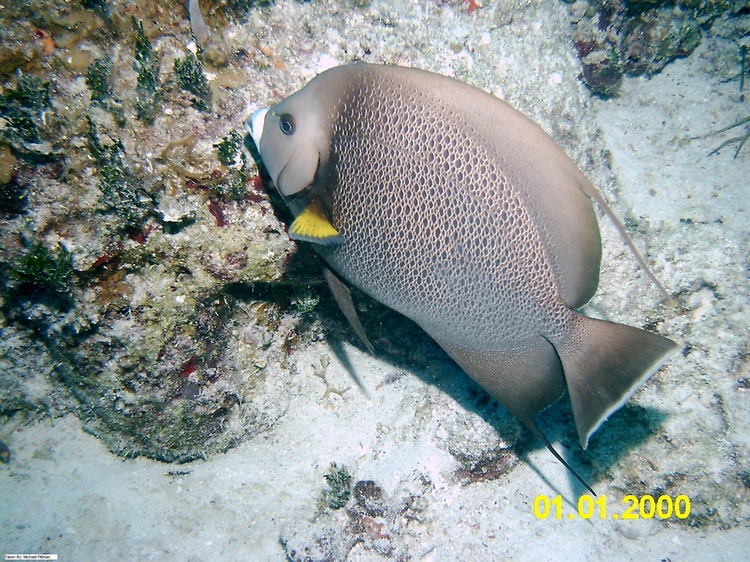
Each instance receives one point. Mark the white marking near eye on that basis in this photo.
(254, 125)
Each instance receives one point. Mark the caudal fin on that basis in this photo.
(605, 366)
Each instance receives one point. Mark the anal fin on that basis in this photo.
(526, 380)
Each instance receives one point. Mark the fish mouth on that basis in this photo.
(254, 125)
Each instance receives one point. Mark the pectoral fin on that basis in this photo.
(312, 225)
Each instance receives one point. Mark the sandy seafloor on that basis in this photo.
(65, 493)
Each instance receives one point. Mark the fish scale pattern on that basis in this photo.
(434, 226)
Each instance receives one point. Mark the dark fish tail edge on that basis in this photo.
(608, 364)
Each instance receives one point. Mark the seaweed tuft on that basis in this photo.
(339, 487)
(38, 270)
(22, 110)
(229, 149)
(190, 77)
(101, 6)
(98, 79)
(148, 88)
(231, 155)
(122, 191)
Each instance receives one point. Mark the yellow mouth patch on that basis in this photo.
(312, 225)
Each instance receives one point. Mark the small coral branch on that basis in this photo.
(739, 140)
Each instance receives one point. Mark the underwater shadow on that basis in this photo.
(403, 344)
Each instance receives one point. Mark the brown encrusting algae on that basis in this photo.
(117, 261)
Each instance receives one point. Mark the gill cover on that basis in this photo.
(293, 140)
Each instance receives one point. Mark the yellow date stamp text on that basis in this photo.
(644, 507)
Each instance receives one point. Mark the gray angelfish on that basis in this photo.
(449, 206)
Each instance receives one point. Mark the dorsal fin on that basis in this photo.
(592, 192)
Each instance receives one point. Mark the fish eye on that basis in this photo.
(286, 123)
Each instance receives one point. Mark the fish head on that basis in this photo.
(293, 139)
